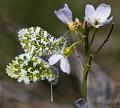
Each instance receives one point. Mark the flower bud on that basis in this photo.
(68, 51)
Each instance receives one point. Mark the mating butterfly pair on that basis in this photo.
(32, 65)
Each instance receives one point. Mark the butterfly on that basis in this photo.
(31, 66)
(39, 42)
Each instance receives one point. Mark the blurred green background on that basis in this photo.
(16, 14)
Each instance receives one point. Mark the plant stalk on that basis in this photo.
(86, 66)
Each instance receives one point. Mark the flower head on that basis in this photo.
(65, 15)
(98, 17)
(62, 57)
(64, 64)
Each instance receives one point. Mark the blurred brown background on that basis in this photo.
(15, 14)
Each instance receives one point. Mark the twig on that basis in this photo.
(101, 46)
(92, 40)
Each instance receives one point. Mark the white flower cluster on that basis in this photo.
(95, 17)
(27, 68)
(39, 42)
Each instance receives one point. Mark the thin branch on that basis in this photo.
(101, 46)
(92, 40)
(78, 56)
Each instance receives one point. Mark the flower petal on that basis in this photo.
(89, 10)
(106, 21)
(55, 58)
(65, 66)
(64, 14)
(67, 11)
(103, 11)
(91, 21)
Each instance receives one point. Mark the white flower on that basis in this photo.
(64, 64)
(98, 17)
(64, 14)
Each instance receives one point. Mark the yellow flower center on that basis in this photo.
(72, 26)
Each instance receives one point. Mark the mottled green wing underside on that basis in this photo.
(38, 41)
(26, 68)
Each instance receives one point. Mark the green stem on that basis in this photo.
(87, 63)
(84, 88)
(86, 45)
